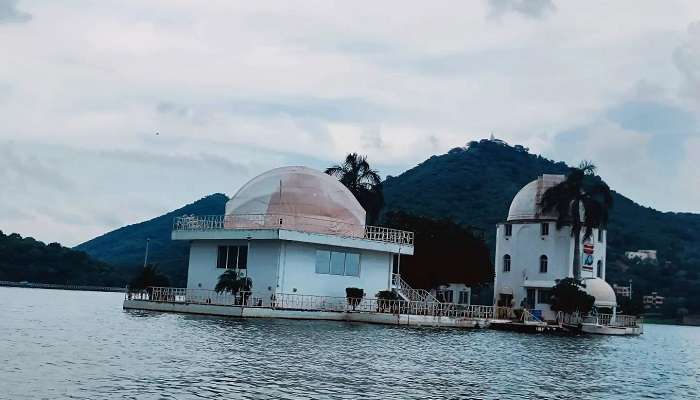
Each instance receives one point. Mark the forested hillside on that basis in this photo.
(26, 259)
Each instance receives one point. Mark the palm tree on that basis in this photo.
(231, 282)
(582, 200)
(363, 181)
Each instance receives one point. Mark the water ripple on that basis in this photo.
(80, 345)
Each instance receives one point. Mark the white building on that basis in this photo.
(292, 230)
(531, 254)
(642, 255)
(456, 293)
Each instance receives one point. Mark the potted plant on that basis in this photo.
(354, 296)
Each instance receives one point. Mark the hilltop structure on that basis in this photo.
(532, 254)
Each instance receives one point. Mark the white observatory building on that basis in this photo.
(292, 230)
(531, 254)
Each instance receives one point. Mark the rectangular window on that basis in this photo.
(221, 257)
(464, 297)
(600, 235)
(509, 229)
(444, 295)
(242, 257)
(323, 262)
(544, 228)
(232, 257)
(544, 296)
(352, 264)
(337, 263)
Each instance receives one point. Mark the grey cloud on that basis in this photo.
(687, 60)
(323, 109)
(10, 13)
(528, 8)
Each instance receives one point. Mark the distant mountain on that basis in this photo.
(27, 259)
(126, 247)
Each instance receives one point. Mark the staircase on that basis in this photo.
(407, 293)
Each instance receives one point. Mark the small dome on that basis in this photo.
(296, 198)
(602, 291)
(526, 203)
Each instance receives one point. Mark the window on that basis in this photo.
(599, 272)
(323, 262)
(352, 264)
(463, 297)
(232, 257)
(506, 263)
(544, 229)
(337, 263)
(444, 296)
(509, 230)
(600, 235)
(544, 296)
(543, 264)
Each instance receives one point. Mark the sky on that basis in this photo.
(114, 112)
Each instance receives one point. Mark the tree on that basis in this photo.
(231, 282)
(363, 181)
(582, 201)
(445, 252)
(568, 297)
(354, 296)
(149, 277)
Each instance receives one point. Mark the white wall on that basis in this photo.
(285, 266)
(298, 272)
(262, 264)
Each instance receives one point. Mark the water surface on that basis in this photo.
(81, 345)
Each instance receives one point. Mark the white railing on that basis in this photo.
(620, 320)
(528, 318)
(292, 222)
(411, 294)
(292, 301)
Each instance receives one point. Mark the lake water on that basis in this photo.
(81, 345)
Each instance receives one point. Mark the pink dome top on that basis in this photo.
(296, 198)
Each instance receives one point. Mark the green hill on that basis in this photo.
(126, 247)
(26, 259)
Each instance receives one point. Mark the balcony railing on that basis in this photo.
(292, 222)
(299, 302)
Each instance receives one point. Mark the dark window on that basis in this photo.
(599, 272)
(221, 257)
(544, 296)
(543, 264)
(444, 296)
(509, 230)
(506, 263)
(463, 297)
(544, 228)
(600, 235)
(232, 257)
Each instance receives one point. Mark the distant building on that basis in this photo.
(653, 300)
(457, 293)
(641, 255)
(623, 291)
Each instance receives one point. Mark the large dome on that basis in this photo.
(601, 290)
(526, 204)
(296, 198)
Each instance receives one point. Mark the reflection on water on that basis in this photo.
(82, 345)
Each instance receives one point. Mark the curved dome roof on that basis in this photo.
(296, 198)
(602, 291)
(526, 203)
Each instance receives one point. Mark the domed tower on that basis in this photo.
(292, 230)
(531, 253)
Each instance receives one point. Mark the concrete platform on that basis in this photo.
(266, 312)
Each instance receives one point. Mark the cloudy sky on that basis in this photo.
(235, 88)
